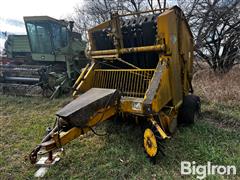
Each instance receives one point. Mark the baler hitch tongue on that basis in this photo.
(33, 155)
(78, 117)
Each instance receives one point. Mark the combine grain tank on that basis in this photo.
(17, 47)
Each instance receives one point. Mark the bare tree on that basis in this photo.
(159, 3)
(94, 12)
(216, 26)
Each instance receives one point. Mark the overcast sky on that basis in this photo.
(16, 9)
(12, 12)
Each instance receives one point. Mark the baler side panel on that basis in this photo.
(159, 91)
(168, 32)
(186, 53)
(164, 92)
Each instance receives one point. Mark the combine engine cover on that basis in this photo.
(17, 47)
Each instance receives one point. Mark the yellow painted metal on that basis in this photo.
(150, 143)
(102, 115)
(163, 95)
(63, 138)
(126, 105)
(129, 64)
(166, 84)
(143, 12)
(168, 121)
(80, 78)
(117, 32)
(131, 82)
(175, 45)
(58, 140)
(158, 48)
(107, 57)
(87, 81)
(174, 31)
(167, 29)
(159, 129)
(98, 27)
(164, 120)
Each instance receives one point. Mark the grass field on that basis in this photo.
(215, 137)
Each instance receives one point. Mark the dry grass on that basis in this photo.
(220, 95)
(218, 88)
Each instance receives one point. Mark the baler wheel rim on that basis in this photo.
(150, 143)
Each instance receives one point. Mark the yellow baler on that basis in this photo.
(141, 67)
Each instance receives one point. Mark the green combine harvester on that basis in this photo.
(46, 61)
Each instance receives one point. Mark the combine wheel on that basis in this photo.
(47, 92)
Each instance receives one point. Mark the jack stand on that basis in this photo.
(50, 158)
(45, 162)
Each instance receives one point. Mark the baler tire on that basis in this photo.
(190, 106)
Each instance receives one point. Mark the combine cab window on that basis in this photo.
(47, 36)
(59, 36)
(39, 36)
(64, 35)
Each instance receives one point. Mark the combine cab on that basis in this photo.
(142, 67)
(57, 56)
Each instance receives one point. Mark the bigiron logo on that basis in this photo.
(202, 171)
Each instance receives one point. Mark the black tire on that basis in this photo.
(190, 106)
